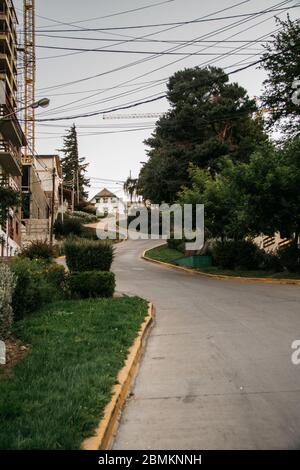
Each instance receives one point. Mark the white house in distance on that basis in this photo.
(107, 203)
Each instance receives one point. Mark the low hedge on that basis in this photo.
(241, 254)
(88, 255)
(37, 250)
(70, 226)
(289, 257)
(91, 284)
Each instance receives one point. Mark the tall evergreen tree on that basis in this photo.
(208, 119)
(74, 167)
(282, 87)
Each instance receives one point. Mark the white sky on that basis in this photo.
(112, 156)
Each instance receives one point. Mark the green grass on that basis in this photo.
(168, 255)
(57, 394)
(164, 253)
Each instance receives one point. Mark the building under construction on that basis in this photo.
(12, 138)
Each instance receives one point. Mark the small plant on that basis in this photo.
(88, 255)
(91, 284)
(37, 250)
(7, 287)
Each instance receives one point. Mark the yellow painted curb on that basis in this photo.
(104, 434)
(222, 277)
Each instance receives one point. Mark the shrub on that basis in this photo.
(32, 288)
(70, 226)
(271, 262)
(84, 217)
(176, 244)
(85, 206)
(290, 258)
(89, 233)
(37, 250)
(7, 286)
(242, 254)
(56, 276)
(91, 284)
(88, 255)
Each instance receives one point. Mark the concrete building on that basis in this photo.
(107, 203)
(12, 138)
(45, 166)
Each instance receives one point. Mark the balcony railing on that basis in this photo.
(10, 158)
(11, 125)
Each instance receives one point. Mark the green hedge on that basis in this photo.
(289, 257)
(88, 255)
(37, 250)
(241, 254)
(91, 284)
(37, 284)
(70, 226)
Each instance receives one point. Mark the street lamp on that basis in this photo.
(42, 103)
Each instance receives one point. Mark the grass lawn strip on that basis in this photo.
(167, 255)
(58, 392)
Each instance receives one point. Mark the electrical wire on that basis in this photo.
(181, 23)
(130, 64)
(97, 102)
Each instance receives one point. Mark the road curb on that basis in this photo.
(108, 425)
(263, 280)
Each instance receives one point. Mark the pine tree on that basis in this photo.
(281, 89)
(73, 166)
(209, 118)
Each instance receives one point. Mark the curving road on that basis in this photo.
(217, 371)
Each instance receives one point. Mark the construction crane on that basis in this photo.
(133, 116)
(29, 78)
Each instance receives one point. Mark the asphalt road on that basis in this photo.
(217, 371)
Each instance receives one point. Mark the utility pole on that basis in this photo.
(52, 207)
(73, 193)
(62, 200)
(78, 195)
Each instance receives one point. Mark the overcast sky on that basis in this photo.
(118, 147)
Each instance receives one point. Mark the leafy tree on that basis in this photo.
(209, 118)
(250, 198)
(225, 215)
(74, 167)
(8, 198)
(131, 187)
(281, 89)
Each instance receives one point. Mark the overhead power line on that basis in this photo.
(134, 105)
(131, 51)
(106, 16)
(177, 23)
(132, 64)
(137, 89)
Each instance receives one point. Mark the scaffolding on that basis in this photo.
(29, 79)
